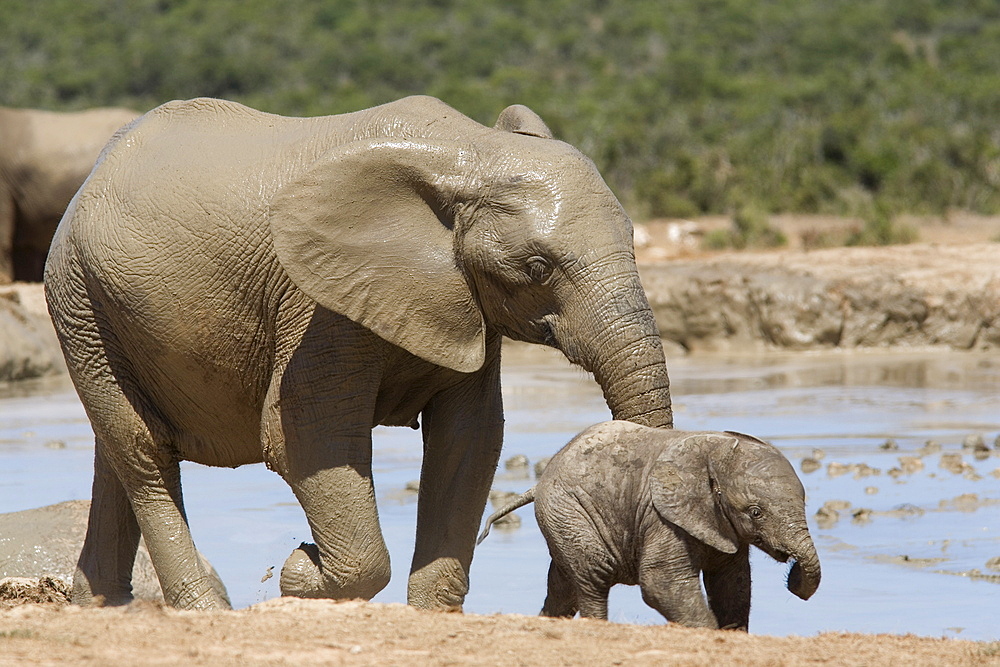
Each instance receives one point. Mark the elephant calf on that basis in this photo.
(628, 504)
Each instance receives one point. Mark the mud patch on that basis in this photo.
(25, 590)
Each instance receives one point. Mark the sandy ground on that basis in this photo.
(289, 631)
(301, 632)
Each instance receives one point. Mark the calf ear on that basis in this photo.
(684, 493)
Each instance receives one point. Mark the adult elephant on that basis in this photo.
(231, 287)
(44, 158)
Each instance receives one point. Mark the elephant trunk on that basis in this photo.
(631, 368)
(804, 575)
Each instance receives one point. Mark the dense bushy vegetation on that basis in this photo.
(859, 107)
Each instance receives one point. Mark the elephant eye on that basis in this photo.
(756, 512)
(538, 269)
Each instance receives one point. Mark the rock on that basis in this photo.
(540, 465)
(930, 447)
(953, 463)
(864, 470)
(518, 462)
(826, 517)
(861, 515)
(834, 469)
(975, 442)
(809, 465)
(500, 498)
(967, 502)
(993, 564)
(889, 445)
(910, 464)
(46, 542)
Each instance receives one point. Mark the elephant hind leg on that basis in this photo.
(104, 569)
(8, 215)
(136, 483)
(561, 599)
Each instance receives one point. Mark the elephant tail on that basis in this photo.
(522, 500)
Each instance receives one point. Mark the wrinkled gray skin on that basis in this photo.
(47, 541)
(231, 287)
(44, 158)
(627, 504)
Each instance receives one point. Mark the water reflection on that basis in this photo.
(907, 551)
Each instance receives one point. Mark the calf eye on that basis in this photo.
(538, 269)
(756, 512)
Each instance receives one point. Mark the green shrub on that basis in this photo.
(879, 228)
(750, 228)
(693, 109)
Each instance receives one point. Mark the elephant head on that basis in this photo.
(505, 228)
(731, 489)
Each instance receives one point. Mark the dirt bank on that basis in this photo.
(915, 295)
(292, 631)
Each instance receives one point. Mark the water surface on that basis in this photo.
(916, 562)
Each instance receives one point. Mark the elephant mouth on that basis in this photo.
(546, 335)
(776, 554)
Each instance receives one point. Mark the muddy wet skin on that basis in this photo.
(897, 452)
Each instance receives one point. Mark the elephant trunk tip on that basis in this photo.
(803, 584)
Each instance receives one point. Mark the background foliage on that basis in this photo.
(858, 107)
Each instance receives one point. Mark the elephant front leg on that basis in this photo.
(561, 596)
(463, 434)
(349, 558)
(727, 583)
(317, 435)
(671, 584)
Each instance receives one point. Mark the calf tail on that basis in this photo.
(522, 500)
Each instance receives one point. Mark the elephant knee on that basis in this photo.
(305, 575)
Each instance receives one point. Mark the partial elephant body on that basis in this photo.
(622, 503)
(46, 542)
(44, 158)
(232, 287)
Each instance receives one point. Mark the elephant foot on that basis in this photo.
(198, 594)
(304, 576)
(83, 595)
(300, 575)
(442, 585)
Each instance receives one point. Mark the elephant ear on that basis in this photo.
(365, 232)
(684, 492)
(520, 119)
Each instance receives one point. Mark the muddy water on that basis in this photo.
(904, 538)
